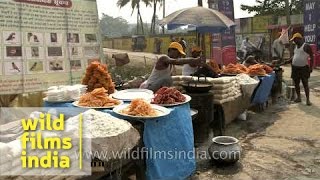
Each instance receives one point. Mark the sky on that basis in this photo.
(110, 8)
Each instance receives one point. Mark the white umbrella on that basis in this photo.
(204, 19)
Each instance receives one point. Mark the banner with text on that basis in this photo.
(46, 43)
(311, 17)
(228, 37)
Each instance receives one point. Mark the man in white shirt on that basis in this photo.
(301, 69)
(246, 46)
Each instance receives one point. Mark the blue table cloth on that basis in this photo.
(263, 90)
(169, 143)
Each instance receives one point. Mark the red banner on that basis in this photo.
(52, 3)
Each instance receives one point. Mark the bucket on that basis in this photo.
(291, 92)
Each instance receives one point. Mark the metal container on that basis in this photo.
(225, 149)
(291, 92)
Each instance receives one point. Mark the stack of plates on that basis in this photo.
(65, 93)
(82, 88)
(55, 95)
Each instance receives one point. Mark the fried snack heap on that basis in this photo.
(139, 107)
(97, 98)
(257, 70)
(167, 95)
(214, 66)
(97, 76)
(267, 68)
(235, 69)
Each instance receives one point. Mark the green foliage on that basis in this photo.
(274, 7)
(114, 27)
(135, 4)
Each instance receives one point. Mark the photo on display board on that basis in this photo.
(13, 51)
(34, 52)
(75, 65)
(53, 38)
(75, 51)
(34, 38)
(14, 67)
(56, 65)
(90, 38)
(35, 66)
(11, 37)
(91, 51)
(73, 38)
(55, 52)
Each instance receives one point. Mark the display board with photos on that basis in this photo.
(45, 44)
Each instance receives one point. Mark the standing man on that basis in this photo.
(277, 49)
(300, 69)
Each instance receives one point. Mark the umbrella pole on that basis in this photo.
(198, 40)
(203, 44)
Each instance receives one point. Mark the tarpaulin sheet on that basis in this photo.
(263, 90)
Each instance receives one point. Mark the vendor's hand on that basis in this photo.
(203, 59)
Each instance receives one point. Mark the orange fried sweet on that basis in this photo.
(214, 66)
(257, 70)
(97, 76)
(267, 68)
(235, 69)
(97, 98)
(139, 107)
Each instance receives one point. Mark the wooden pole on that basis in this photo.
(288, 15)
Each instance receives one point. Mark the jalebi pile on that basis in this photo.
(268, 69)
(97, 98)
(234, 69)
(139, 107)
(214, 66)
(257, 70)
(97, 76)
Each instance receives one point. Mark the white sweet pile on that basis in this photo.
(97, 124)
(248, 84)
(226, 89)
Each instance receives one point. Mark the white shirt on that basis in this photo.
(187, 70)
(277, 46)
(300, 57)
(246, 44)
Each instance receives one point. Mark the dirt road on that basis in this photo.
(281, 143)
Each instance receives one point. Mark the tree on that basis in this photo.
(274, 7)
(153, 21)
(113, 27)
(135, 4)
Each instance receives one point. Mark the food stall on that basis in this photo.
(165, 120)
(236, 90)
